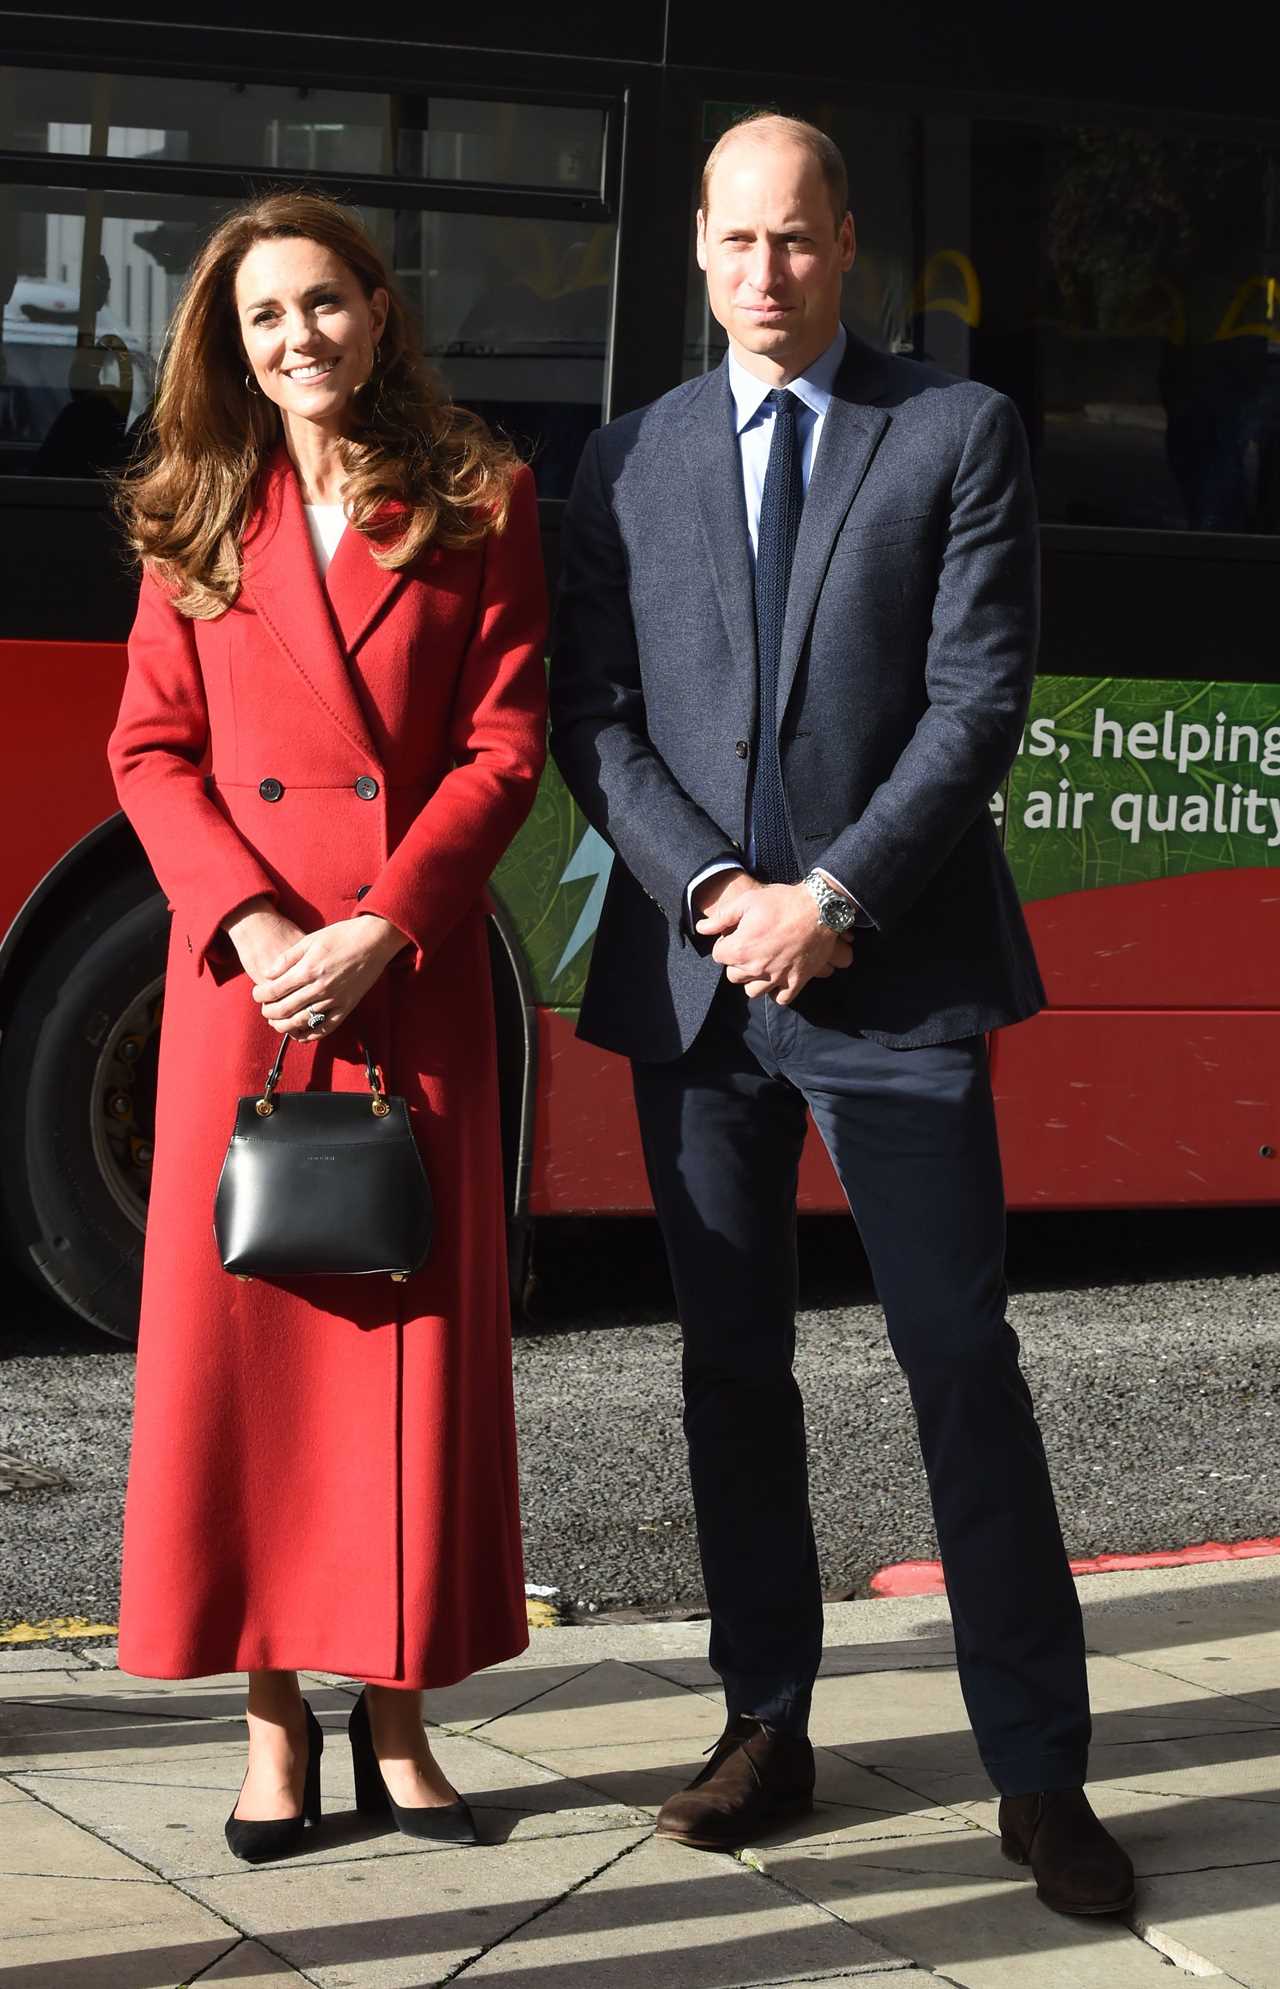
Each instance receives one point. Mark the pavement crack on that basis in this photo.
(1241, 1699)
(184, 1886)
(751, 1861)
(86, 1878)
(217, 1962)
(540, 1912)
(76, 1823)
(466, 1732)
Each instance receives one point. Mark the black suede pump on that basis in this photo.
(256, 1843)
(449, 1823)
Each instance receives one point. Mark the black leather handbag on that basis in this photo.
(322, 1182)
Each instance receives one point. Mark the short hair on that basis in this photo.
(816, 143)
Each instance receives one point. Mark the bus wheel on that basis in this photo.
(77, 1098)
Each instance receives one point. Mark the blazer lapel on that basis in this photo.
(282, 581)
(850, 437)
(715, 468)
(358, 589)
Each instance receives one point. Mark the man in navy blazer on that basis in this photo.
(795, 644)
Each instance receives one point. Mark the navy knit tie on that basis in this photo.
(780, 506)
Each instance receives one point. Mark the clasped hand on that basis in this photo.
(296, 973)
(769, 938)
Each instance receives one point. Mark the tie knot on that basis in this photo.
(781, 400)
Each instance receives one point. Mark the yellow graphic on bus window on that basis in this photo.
(1236, 324)
(935, 289)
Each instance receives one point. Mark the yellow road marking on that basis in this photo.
(542, 1615)
(56, 1626)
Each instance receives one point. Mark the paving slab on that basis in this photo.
(477, 1700)
(876, 1978)
(611, 1702)
(179, 1831)
(1239, 1763)
(913, 1716)
(982, 1932)
(838, 1661)
(689, 1919)
(1237, 1659)
(39, 1660)
(250, 1963)
(217, 1698)
(39, 1841)
(889, 1977)
(34, 1734)
(1164, 1833)
(100, 1933)
(175, 1748)
(404, 1922)
(169, 1809)
(852, 1800)
(1132, 1700)
(1228, 1917)
(912, 1725)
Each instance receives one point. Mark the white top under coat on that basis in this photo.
(325, 525)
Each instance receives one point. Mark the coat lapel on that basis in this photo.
(283, 583)
(358, 589)
(851, 433)
(715, 468)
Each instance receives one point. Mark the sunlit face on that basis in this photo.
(309, 332)
(774, 254)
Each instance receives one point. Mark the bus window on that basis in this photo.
(301, 128)
(490, 213)
(1129, 306)
(89, 282)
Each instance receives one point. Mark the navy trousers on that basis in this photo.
(912, 1136)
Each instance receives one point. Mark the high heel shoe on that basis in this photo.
(277, 1836)
(447, 1823)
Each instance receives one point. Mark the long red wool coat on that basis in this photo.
(324, 1473)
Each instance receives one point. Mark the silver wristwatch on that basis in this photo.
(835, 911)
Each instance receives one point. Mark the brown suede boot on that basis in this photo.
(1077, 1865)
(755, 1780)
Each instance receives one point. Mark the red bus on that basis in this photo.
(1083, 219)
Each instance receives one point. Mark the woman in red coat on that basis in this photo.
(332, 727)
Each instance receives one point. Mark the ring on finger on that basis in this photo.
(316, 1021)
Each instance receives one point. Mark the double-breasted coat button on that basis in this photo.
(270, 790)
(742, 749)
(367, 787)
(363, 890)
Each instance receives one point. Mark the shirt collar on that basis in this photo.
(814, 387)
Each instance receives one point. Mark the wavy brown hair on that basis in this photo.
(186, 503)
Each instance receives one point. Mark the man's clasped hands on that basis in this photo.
(768, 937)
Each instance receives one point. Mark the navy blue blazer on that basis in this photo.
(907, 661)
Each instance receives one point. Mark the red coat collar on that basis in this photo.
(318, 623)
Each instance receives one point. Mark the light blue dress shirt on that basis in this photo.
(754, 424)
(813, 390)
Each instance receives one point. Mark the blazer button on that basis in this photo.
(742, 749)
(363, 890)
(271, 790)
(367, 787)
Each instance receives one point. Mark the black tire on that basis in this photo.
(77, 1100)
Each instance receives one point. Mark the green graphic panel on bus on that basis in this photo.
(1120, 780)
(552, 882)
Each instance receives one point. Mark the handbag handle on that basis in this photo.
(266, 1104)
